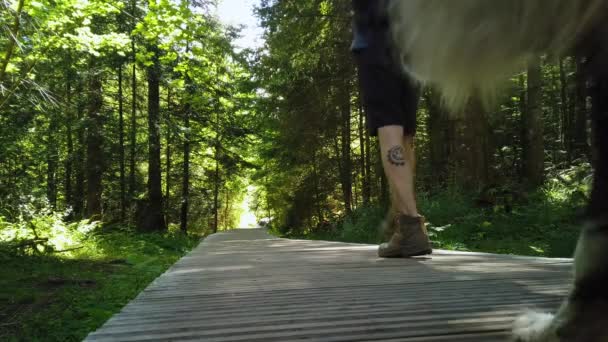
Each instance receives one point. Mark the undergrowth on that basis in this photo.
(59, 282)
(542, 223)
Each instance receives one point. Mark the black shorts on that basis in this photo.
(389, 97)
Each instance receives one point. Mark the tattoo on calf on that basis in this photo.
(395, 156)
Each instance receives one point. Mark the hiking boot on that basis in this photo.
(409, 239)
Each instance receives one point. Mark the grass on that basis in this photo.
(539, 227)
(544, 224)
(55, 297)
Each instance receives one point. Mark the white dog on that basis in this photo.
(470, 46)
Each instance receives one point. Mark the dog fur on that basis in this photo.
(466, 47)
(582, 316)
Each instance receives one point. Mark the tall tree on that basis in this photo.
(438, 128)
(80, 154)
(121, 142)
(154, 218)
(216, 174)
(94, 141)
(186, 167)
(565, 124)
(69, 131)
(363, 160)
(580, 145)
(133, 128)
(533, 144)
(168, 150)
(368, 163)
(52, 156)
(345, 165)
(471, 147)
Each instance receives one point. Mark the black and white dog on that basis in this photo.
(469, 46)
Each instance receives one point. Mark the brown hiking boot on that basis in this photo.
(409, 239)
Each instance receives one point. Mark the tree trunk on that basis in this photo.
(572, 112)
(168, 154)
(216, 188)
(95, 162)
(368, 163)
(121, 139)
(365, 186)
(523, 108)
(355, 193)
(346, 169)
(216, 178)
(317, 194)
(438, 137)
(70, 145)
(133, 132)
(186, 174)
(226, 210)
(533, 153)
(564, 106)
(80, 158)
(580, 146)
(153, 218)
(51, 155)
(472, 148)
(555, 117)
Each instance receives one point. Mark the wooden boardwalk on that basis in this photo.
(245, 285)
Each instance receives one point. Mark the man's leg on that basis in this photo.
(398, 162)
(390, 100)
(388, 227)
(408, 236)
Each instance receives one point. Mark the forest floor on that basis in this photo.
(59, 298)
(544, 224)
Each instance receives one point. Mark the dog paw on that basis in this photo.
(532, 327)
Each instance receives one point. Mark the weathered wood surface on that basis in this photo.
(245, 285)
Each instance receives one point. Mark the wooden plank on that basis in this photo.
(245, 285)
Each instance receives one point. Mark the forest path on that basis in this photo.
(245, 285)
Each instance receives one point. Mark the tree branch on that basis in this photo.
(13, 40)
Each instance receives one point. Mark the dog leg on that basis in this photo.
(583, 317)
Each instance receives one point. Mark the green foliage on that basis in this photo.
(305, 76)
(544, 223)
(38, 229)
(47, 105)
(362, 225)
(541, 225)
(63, 296)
